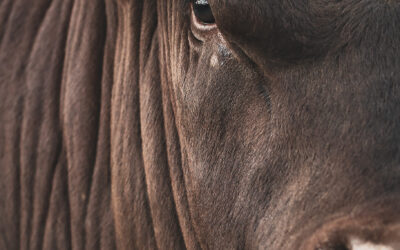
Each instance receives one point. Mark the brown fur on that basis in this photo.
(124, 125)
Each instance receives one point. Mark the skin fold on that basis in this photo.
(129, 124)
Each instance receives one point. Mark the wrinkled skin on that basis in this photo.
(129, 124)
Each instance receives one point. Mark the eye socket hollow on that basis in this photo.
(202, 11)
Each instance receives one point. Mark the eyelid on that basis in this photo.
(201, 30)
(198, 2)
(203, 12)
(201, 2)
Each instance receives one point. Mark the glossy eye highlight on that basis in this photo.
(202, 11)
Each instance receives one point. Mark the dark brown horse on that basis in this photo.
(220, 124)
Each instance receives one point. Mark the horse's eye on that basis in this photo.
(203, 11)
